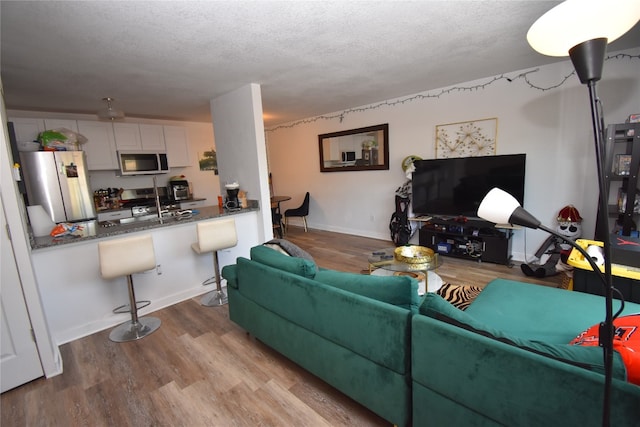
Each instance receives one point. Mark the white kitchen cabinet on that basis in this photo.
(100, 146)
(177, 142)
(27, 129)
(134, 136)
(114, 215)
(127, 136)
(192, 204)
(152, 137)
(50, 124)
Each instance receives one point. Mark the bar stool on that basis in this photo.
(212, 237)
(123, 257)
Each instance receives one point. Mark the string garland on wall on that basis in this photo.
(422, 96)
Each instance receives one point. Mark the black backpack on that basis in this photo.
(399, 224)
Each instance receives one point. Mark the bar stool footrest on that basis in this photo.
(126, 308)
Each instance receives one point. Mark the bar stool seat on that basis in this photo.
(124, 257)
(214, 236)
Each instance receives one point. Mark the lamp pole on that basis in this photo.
(588, 59)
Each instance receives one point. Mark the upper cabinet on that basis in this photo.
(127, 136)
(106, 138)
(152, 137)
(27, 129)
(134, 136)
(177, 142)
(100, 146)
(50, 124)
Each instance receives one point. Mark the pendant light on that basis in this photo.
(110, 113)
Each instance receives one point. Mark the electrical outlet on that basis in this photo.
(158, 269)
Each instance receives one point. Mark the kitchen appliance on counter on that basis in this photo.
(232, 203)
(179, 189)
(58, 181)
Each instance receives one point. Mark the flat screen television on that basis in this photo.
(455, 187)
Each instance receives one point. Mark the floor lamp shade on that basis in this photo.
(575, 21)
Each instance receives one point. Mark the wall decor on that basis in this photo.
(466, 139)
(208, 161)
(355, 149)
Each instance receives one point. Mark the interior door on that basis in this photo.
(19, 359)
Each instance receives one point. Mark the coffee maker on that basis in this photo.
(232, 203)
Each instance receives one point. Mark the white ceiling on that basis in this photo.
(168, 59)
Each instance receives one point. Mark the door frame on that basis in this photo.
(17, 227)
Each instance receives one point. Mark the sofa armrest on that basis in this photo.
(230, 273)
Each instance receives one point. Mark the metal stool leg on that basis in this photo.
(136, 328)
(218, 297)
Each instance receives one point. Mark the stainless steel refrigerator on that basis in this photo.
(58, 181)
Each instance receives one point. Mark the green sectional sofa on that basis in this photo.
(421, 361)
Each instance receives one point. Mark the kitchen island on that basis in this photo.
(78, 302)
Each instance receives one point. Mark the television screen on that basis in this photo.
(453, 187)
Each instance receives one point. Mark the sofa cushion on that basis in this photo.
(299, 266)
(401, 291)
(540, 313)
(288, 248)
(586, 357)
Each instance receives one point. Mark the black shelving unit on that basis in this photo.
(622, 163)
(467, 238)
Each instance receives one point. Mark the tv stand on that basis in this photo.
(467, 238)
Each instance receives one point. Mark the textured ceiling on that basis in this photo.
(168, 59)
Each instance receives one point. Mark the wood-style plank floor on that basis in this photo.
(200, 369)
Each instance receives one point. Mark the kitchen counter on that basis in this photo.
(78, 302)
(93, 229)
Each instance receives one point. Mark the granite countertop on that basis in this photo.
(93, 230)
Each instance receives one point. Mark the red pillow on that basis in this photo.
(626, 341)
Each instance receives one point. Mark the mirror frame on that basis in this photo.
(383, 150)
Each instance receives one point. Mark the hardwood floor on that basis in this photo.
(200, 369)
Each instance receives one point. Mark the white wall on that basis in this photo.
(237, 119)
(553, 127)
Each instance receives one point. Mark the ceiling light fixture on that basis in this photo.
(110, 113)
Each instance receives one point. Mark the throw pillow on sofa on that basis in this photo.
(401, 291)
(299, 266)
(287, 248)
(626, 341)
(436, 307)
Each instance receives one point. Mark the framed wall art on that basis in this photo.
(466, 139)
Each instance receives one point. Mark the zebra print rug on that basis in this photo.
(460, 296)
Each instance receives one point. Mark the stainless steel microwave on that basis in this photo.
(142, 162)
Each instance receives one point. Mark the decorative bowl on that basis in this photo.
(414, 254)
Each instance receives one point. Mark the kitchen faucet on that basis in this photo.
(157, 196)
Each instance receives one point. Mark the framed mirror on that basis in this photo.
(355, 150)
